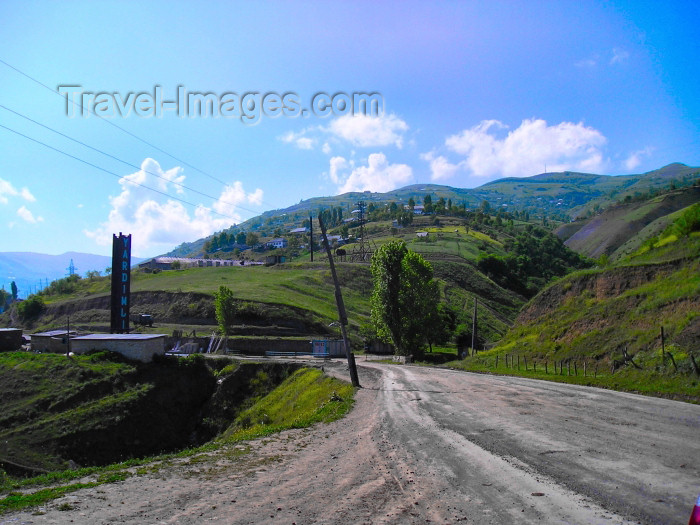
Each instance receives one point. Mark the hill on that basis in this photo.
(619, 224)
(501, 263)
(33, 271)
(561, 196)
(612, 317)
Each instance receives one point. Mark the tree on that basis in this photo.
(240, 238)
(13, 287)
(31, 308)
(405, 296)
(4, 299)
(226, 309)
(441, 324)
(251, 239)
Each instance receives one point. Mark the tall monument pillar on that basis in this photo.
(121, 283)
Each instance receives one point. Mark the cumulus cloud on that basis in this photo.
(489, 150)
(28, 216)
(440, 167)
(365, 131)
(379, 175)
(7, 190)
(357, 130)
(635, 158)
(158, 223)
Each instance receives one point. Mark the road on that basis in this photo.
(427, 445)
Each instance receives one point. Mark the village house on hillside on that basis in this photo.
(279, 242)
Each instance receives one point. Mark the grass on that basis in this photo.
(656, 379)
(305, 398)
(294, 404)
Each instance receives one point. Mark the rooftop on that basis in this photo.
(119, 337)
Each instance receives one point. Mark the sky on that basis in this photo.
(461, 93)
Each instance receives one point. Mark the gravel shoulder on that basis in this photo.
(431, 445)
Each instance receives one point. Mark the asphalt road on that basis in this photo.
(426, 445)
(596, 456)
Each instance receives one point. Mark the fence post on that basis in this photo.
(545, 367)
(496, 362)
(568, 368)
(575, 369)
(518, 362)
(584, 369)
(534, 366)
(525, 359)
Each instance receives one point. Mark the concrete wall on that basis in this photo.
(10, 339)
(50, 342)
(137, 349)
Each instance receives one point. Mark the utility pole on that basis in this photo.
(342, 316)
(311, 235)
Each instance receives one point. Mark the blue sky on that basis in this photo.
(471, 92)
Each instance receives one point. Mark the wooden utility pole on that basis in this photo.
(342, 316)
(311, 235)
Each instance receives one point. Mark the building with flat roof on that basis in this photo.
(139, 347)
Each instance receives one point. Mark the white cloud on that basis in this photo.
(526, 150)
(300, 140)
(365, 131)
(635, 158)
(358, 130)
(378, 175)
(440, 167)
(7, 190)
(158, 222)
(619, 56)
(337, 166)
(28, 216)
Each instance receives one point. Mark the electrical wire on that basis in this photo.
(175, 183)
(114, 174)
(113, 124)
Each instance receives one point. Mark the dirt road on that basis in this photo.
(433, 446)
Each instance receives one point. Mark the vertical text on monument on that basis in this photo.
(121, 283)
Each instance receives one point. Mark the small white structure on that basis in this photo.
(139, 347)
(279, 242)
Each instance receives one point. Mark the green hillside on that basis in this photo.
(559, 196)
(609, 319)
(605, 234)
(497, 259)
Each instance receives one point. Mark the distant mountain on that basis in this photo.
(31, 271)
(562, 195)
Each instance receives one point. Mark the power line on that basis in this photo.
(113, 124)
(124, 130)
(112, 173)
(175, 183)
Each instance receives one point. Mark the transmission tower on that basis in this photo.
(71, 268)
(362, 251)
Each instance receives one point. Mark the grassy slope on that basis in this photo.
(607, 232)
(306, 288)
(593, 316)
(305, 398)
